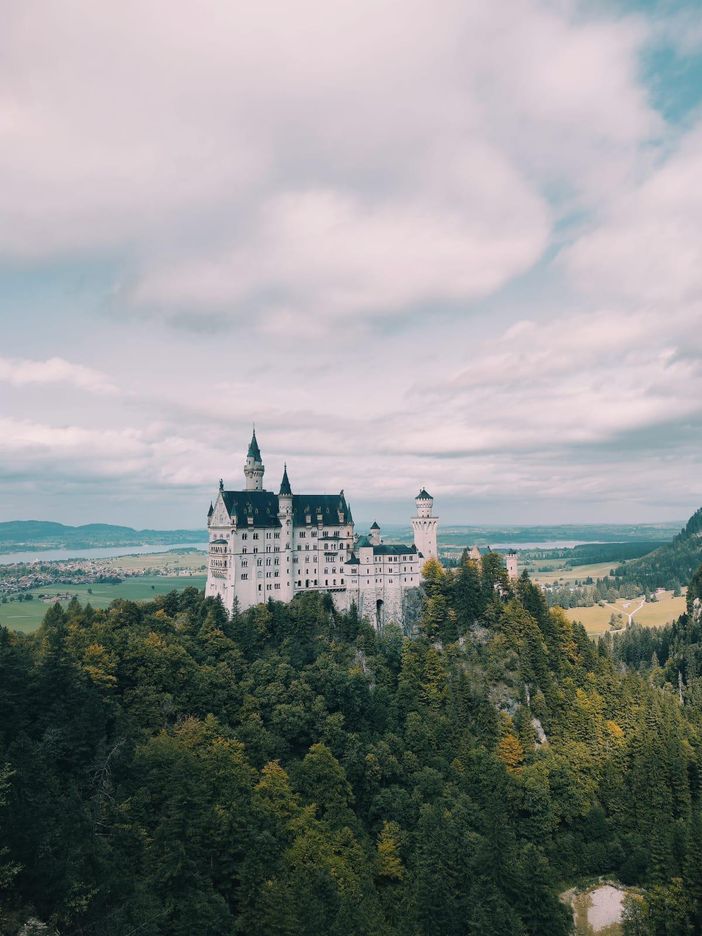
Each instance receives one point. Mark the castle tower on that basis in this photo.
(374, 535)
(512, 564)
(285, 515)
(253, 466)
(425, 526)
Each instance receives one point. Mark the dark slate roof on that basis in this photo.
(261, 505)
(424, 495)
(218, 542)
(254, 450)
(285, 483)
(328, 506)
(363, 541)
(211, 510)
(353, 561)
(394, 550)
(374, 526)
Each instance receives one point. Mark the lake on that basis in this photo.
(110, 552)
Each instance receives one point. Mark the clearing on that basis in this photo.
(649, 614)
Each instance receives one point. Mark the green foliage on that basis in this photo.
(169, 770)
(671, 564)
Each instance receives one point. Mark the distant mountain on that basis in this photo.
(669, 565)
(33, 535)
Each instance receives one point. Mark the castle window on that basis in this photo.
(244, 563)
(244, 536)
(255, 536)
(302, 534)
(342, 581)
(312, 533)
(244, 549)
(244, 575)
(276, 536)
(259, 562)
(268, 535)
(255, 549)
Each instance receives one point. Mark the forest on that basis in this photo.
(669, 566)
(167, 770)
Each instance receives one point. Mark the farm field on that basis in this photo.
(28, 615)
(560, 573)
(653, 614)
(194, 560)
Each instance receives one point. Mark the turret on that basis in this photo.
(253, 467)
(285, 496)
(285, 516)
(425, 526)
(374, 535)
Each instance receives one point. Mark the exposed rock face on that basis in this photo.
(694, 596)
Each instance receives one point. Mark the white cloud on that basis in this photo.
(647, 249)
(296, 171)
(22, 372)
(358, 156)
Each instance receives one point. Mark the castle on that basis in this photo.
(264, 545)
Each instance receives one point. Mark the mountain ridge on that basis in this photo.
(18, 535)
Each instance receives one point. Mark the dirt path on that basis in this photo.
(622, 611)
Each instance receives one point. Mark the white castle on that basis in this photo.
(264, 545)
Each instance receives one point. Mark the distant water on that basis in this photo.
(515, 544)
(49, 555)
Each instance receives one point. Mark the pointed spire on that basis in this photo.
(285, 483)
(211, 510)
(254, 451)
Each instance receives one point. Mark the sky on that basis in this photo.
(446, 243)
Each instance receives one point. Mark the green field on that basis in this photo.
(28, 615)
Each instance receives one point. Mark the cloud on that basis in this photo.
(359, 158)
(21, 372)
(646, 248)
(323, 253)
(350, 211)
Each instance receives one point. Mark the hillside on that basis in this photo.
(290, 770)
(31, 535)
(670, 565)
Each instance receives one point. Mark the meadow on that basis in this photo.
(28, 615)
(650, 614)
(558, 572)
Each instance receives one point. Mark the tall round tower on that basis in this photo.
(253, 466)
(425, 526)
